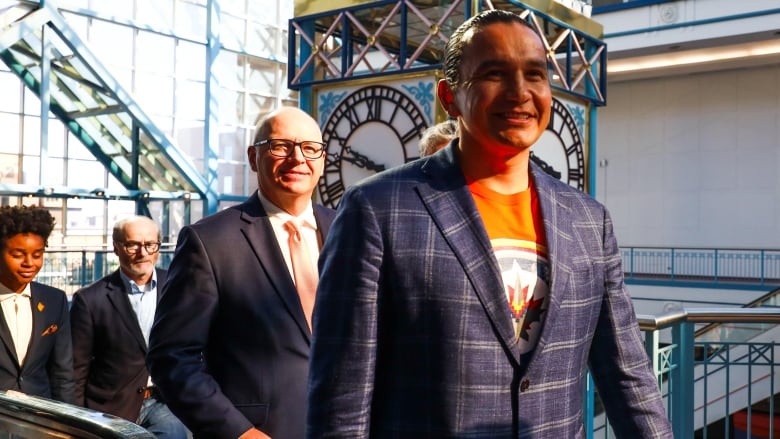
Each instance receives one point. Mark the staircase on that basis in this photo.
(39, 46)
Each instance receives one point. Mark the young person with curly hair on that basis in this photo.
(36, 356)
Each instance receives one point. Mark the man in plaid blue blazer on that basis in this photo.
(467, 293)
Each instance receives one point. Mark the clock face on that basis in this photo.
(560, 151)
(371, 130)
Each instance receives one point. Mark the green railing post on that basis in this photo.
(83, 270)
(590, 406)
(651, 347)
(715, 268)
(681, 384)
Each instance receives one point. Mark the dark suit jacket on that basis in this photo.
(48, 368)
(230, 345)
(412, 330)
(109, 351)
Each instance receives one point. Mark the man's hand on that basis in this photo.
(254, 433)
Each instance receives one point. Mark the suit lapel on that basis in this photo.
(453, 210)
(557, 225)
(261, 238)
(8, 341)
(40, 320)
(117, 297)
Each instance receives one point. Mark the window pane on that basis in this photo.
(190, 21)
(10, 90)
(189, 138)
(232, 32)
(9, 126)
(32, 105)
(9, 169)
(164, 124)
(76, 149)
(229, 69)
(154, 53)
(32, 135)
(190, 100)
(85, 218)
(190, 61)
(154, 93)
(55, 173)
(112, 44)
(229, 107)
(238, 7)
(31, 171)
(231, 177)
(267, 14)
(121, 10)
(154, 13)
(261, 40)
(85, 174)
(263, 79)
(75, 4)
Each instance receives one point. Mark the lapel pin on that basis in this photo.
(40, 307)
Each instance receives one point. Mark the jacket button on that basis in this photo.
(525, 385)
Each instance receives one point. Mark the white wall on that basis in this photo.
(693, 160)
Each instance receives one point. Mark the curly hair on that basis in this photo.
(25, 219)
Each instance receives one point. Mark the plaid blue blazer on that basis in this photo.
(413, 337)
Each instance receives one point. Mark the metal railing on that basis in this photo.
(70, 269)
(704, 265)
(720, 387)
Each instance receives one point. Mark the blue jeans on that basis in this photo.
(158, 420)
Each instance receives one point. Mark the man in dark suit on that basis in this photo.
(110, 324)
(467, 293)
(230, 344)
(36, 355)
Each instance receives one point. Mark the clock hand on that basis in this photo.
(361, 160)
(545, 167)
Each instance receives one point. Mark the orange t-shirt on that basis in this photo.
(515, 227)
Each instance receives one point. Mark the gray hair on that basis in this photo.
(437, 136)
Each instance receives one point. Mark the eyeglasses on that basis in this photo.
(133, 247)
(285, 148)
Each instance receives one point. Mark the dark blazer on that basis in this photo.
(230, 344)
(109, 351)
(48, 367)
(412, 332)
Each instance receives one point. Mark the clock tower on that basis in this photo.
(370, 127)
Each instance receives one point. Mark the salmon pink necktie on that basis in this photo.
(303, 270)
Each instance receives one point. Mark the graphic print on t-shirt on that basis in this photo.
(515, 227)
(526, 276)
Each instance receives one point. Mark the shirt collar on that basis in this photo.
(6, 293)
(133, 287)
(274, 211)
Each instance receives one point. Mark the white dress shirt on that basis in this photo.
(307, 224)
(143, 299)
(17, 310)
